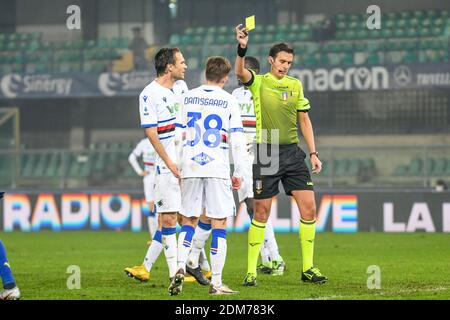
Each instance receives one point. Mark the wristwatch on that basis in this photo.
(315, 152)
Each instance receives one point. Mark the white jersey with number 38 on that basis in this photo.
(210, 115)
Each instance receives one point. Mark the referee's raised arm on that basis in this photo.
(242, 37)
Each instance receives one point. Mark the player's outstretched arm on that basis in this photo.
(152, 135)
(242, 37)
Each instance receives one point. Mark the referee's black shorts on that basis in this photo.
(287, 165)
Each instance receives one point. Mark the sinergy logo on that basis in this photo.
(10, 85)
(111, 83)
(13, 85)
(338, 79)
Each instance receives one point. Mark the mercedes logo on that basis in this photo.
(402, 76)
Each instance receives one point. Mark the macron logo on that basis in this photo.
(145, 98)
(202, 159)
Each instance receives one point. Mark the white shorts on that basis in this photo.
(167, 193)
(246, 190)
(149, 186)
(213, 194)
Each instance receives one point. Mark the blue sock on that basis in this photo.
(189, 233)
(5, 270)
(158, 236)
(216, 234)
(204, 226)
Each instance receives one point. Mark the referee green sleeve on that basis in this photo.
(303, 103)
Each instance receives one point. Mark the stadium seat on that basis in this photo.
(354, 167)
(30, 162)
(53, 168)
(410, 57)
(447, 170)
(41, 165)
(415, 167)
(440, 167)
(174, 39)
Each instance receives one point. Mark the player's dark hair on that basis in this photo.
(164, 57)
(280, 47)
(252, 63)
(217, 68)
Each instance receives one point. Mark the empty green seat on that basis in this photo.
(311, 60)
(415, 167)
(257, 38)
(440, 167)
(413, 23)
(360, 46)
(211, 30)
(268, 38)
(418, 14)
(412, 32)
(199, 31)
(341, 167)
(354, 167)
(410, 57)
(223, 30)
(294, 27)
(283, 28)
(348, 59)
(399, 33)
(447, 170)
(41, 165)
(389, 23)
(386, 33)
(271, 28)
(424, 32)
(353, 25)
(341, 25)
(373, 58)
(53, 167)
(401, 23)
(221, 39)
(281, 36)
(174, 40)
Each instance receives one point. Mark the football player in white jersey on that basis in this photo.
(212, 122)
(272, 262)
(145, 149)
(158, 107)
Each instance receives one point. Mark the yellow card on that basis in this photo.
(250, 23)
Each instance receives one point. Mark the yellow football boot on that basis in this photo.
(138, 273)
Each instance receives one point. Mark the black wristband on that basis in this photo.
(241, 51)
(315, 152)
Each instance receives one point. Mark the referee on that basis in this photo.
(280, 107)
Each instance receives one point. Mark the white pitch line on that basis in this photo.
(380, 293)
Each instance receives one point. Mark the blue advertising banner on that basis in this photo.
(329, 78)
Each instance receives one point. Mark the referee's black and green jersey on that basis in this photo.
(276, 105)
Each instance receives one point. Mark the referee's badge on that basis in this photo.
(285, 95)
(259, 186)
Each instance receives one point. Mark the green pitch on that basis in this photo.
(413, 266)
